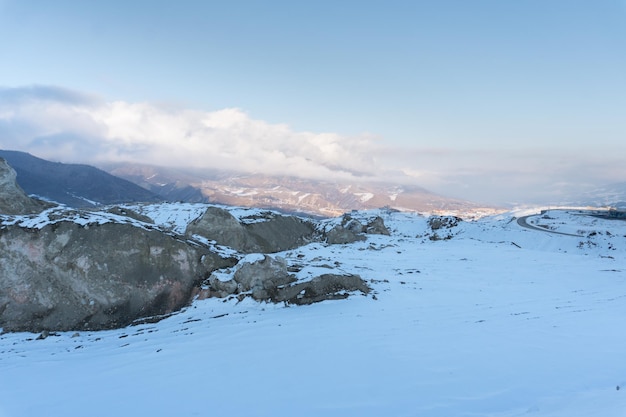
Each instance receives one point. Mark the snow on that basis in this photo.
(498, 320)
(364, 197)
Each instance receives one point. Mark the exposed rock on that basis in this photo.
(219, 225)
(323, 287)
(263, 278)
(273, 233)
(442, 227)
(443, 222)
(66, 276)
(260, 278)
(277, 233)
(339, 235)
(349, 223)
(351, 230)
(377, 227)
(268, 279)
(13, 200)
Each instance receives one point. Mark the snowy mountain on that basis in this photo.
(610, 195)
(514, 314)
(324, 198)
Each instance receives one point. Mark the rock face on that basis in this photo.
(13, 200)
(65, 269)
(272, 233)
(66, 276)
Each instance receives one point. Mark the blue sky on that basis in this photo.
(461, 93)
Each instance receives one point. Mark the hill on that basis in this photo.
(75, 185)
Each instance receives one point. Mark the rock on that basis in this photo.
(273, 233)
(377, 227)
(219, 225)
(268, 279)
(442, 226)
(279, 233)
(339, 235)
(66, 276)
(443, 222)
(263, 278)
(323, 287)
(13, 200)
(351, 230)
(260, 278)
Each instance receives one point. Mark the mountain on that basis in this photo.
(170, 183)
(613, 195)
(74, 185)
(325, 198)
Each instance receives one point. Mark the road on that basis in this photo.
(523, 223)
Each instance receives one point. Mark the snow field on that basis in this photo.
(469, 326)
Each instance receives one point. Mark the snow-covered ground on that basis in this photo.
(486, 319)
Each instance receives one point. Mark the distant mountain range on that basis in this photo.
(74, 185)
(327, 198)
(78, 185)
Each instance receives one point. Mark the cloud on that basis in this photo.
(69, 126)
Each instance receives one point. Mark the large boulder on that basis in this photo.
(13, 200)
(67, 276)
(277, 233)
(352, 230)
(222, 227)
(323, 287)
(268, 279)
(266, 233)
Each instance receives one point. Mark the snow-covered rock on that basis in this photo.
(13, 200)
(70, 276)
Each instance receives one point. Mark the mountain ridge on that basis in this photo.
(75, 185)
(288, 193)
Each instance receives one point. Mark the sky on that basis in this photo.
(492, 101)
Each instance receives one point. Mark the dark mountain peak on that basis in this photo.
(75, 185)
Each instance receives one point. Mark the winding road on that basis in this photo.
(523, 223)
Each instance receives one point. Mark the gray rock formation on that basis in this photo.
(269, 234)
(323, 287)
(339, 235)
(443, 227)
(13, 200)
(79, 270)
(268, 279)
(66, 276)
(351, 230)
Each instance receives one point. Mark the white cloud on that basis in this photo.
(67, 126)
(95, 131)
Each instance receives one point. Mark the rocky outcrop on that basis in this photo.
(266, 234)
(268, 279)
(65, 269)
(352, 230)
(260, 279)
(323, 287)
(13, 200)
(443, 227)
(67, 276)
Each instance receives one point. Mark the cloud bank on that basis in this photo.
(70, 126)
